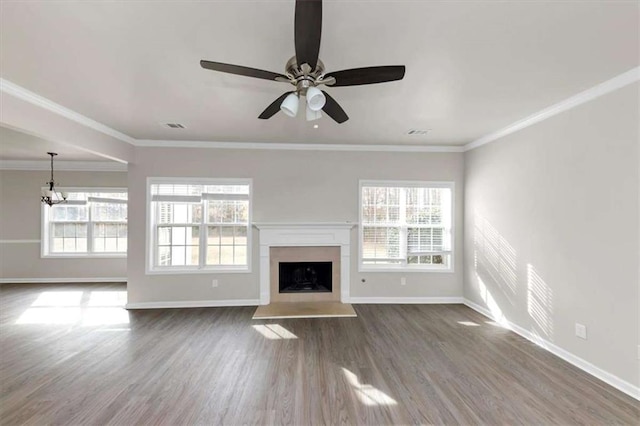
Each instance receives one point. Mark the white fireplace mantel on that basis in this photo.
(337, 234)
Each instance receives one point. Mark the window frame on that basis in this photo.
(151, 246)
(362, 267)
(45, 228)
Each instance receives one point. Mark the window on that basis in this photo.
(93, 222)
(406, 226)
(199, 225)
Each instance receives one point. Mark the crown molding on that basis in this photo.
(295, 146)
(601, 89)
(74, 166)
(20, 92)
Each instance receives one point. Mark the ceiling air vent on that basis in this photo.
(175, 125)
(417, 132)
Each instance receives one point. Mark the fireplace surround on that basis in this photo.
(300, 242)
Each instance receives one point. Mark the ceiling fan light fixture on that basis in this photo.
(290, 105)
(315, 98)
(304, 71)
(313, 115)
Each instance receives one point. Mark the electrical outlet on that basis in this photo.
(581, 331)
(403, 280)
(214, 283)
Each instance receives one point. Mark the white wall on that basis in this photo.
(288, 186)
(551, 230)
(20, 228)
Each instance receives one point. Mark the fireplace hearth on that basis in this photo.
(305, 277)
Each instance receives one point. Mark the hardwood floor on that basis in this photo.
(70, 355)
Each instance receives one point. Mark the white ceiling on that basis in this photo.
(472, 67)
(15, 145)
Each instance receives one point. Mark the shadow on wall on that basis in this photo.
(495, 260)
(539, 303)
(496, 267)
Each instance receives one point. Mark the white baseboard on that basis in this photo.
(63, 280)
(406, 300)
(616, 382)
(194, 304)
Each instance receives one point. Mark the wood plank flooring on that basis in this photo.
(71, 355)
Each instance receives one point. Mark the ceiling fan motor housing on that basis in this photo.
(302, 76)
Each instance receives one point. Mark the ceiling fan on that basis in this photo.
(306, 72)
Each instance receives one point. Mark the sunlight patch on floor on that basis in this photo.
(104, 316)
(108, 298)
(49, 315)
(367, 394)
(58, 298)
(274, 331)
(90, 308)
(469, 323)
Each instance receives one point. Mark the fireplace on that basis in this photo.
(305, 277)
(304, 242)
(305, 274)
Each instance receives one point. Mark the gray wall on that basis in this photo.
(551, 230)
(288, 186)
(20, 219)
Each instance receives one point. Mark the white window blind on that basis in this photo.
(91, 222)
(406, 225)
(200, 226)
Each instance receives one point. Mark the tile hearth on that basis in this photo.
(304, 310)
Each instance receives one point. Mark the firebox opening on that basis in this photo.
(305, 277)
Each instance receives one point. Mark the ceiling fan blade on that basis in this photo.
(367, 75)
(240, 70)
(308, 30)
(334, 110)
(272, 109)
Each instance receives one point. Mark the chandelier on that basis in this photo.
(49, 195)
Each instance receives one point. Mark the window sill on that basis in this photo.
(83, 256)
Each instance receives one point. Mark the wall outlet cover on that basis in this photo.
(581, 331)
(214, 283)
